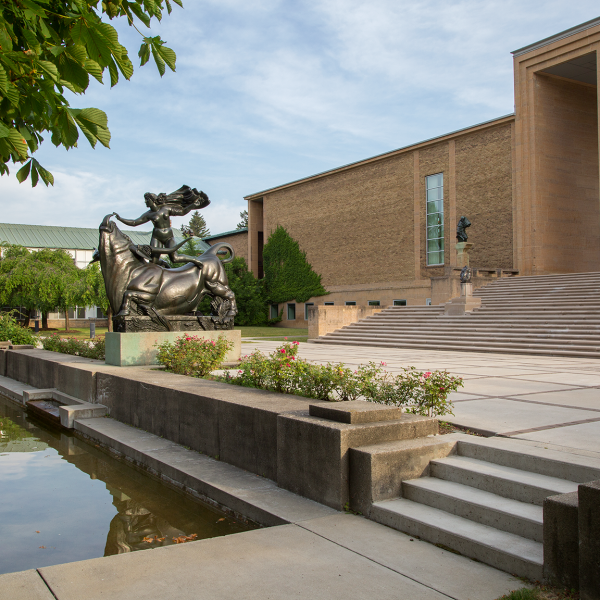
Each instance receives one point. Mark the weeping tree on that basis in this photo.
(93, 291)
(42, 279)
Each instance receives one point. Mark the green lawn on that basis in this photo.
(272, 333)
(81, 333)
(277, 334)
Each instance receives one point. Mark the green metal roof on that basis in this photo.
(219, 235)
(69, 238)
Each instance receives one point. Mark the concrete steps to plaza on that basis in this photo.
(554, 315)
(486, 501)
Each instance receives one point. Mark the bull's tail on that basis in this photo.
(214, 250)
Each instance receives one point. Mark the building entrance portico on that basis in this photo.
(557, 202)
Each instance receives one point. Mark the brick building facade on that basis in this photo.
(382, 230)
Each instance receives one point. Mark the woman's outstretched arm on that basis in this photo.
(147, 216)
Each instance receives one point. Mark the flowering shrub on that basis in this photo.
(420, 393)
(11, 330)
(87, 349)
(193, 355)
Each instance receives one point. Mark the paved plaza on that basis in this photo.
(550, 400)
(544, 401)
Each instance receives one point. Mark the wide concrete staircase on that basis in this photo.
(485, 501)
(556, 315)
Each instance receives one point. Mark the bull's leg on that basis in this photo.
(138, 298)
(218, 289)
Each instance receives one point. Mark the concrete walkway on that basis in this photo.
(343, 557)
(547, 400)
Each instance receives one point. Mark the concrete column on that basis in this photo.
(589, 540)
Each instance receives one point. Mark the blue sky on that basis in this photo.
(273, 90)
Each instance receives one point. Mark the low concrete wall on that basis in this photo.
(325, 319)
(572, 540)
(269, 434)
(561, 540)
(589, 540)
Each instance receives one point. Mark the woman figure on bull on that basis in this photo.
(161, 208)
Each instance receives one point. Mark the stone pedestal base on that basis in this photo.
(136, 349)
(462, 254)
(138, 323)
(465, 303)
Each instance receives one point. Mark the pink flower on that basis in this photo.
(240, 372)
(288, 364)
(292, 357)
(383, 364)
(285, 338)
(188, 339)
(283, 351)
(427, 375)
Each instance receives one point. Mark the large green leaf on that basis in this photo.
(94, 69)
(73, 72)
(19, 144)
(23, 173)
(3, 80)
(94, 115)
(4, 130)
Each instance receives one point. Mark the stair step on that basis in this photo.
(483, 507)
(499, 479)
(465, 342)
(516, 454)
(459, 348)
(503, 550)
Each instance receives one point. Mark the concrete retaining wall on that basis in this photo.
(572, 540)
(271, 435)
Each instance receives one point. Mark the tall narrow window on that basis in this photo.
(435, 219)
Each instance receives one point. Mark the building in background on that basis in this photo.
(79, 242)
(381, 231)
(238, 239)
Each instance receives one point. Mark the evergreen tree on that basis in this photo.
(244, 222)
(196, 227)
(252, 305)
(288, 275)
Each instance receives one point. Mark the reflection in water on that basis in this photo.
(133, 527)
(62, 500)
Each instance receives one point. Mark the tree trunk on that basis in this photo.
(26, 322)
(67, 319)
(110, 317)
(44, 320)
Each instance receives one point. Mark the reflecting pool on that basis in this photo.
(62, 500)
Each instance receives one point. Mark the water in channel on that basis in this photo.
(63, 500)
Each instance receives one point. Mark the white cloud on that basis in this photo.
(268, 91)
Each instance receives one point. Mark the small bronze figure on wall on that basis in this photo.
(461, 234)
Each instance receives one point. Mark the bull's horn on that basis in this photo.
(106, 223)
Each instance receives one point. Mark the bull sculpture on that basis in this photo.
(137, 286)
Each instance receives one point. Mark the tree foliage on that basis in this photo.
(252, 305)
(196, 227)
(244, 220)
(43, 279)
(47, 46)
(288, 275)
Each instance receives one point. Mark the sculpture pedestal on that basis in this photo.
(137, 349)
(462, 253)
(465, 303)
